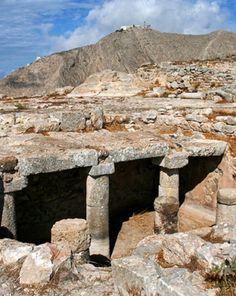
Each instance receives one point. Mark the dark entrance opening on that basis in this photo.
(195, 172)
(47, 199)
(133, 188)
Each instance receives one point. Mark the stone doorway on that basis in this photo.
(49, 198)
(133, 188)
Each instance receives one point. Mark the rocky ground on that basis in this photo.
(187, 109)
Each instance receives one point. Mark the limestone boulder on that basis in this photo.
(12, 251)
(224, 232)
(179, 248)
(71, 233)
(37, 267)
(211, 255)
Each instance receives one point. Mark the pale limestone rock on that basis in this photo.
(149, 246)
(173, 160)
(210, 255)
(11, 251)
(224, 232)
(37, 267)
(194, 95)
(71, 233)
(179, 248)
(72, 121)
(102, 169)
(97, 118)
(149, 116)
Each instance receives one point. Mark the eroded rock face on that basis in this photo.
(199, 207)
(37, 267)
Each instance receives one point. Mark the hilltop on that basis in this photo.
(123, 50)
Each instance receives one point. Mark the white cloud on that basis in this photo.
(182, 16)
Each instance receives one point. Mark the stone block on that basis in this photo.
(97, 118)
(169, 178)
(13, 251)
(102, 169)
(72, 121)
(194, 95)
(37, 267)
(172, 161)
(227, 196)
(167, 191)
(224, 232)
(226, 214)
(71, 233)
(17, 183)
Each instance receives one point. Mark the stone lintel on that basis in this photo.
(102, 169)
(57, 162)
(172, 161)
(205, 148)
(134, 153)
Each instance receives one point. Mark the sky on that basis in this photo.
(36, 28)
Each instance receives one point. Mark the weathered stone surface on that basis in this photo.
(173, 161)
(149, 246)
(199, 207)
(227, 196)
(166, 209)
(179, 248)
(16, 183)
(52, 163)
(211, 255)
(71, 121)
(133, 231)
(196, 95)
(149, 116)
(8, 213)
(130, 153)
(71, 233)
(169, 178)
(97, 213)
(201, 148)
(135, 275)
(225, 214)
(224, 232)
(102, 169)
(97, 118)
(37, 267)
(168, 191)
(11, 251)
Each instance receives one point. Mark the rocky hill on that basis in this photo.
(123, 51)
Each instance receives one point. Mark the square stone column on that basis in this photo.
(97, 208)
(8, 214)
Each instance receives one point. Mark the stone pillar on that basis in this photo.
(226, 206)
(166, 205)
(97, 208)
(8, 215)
